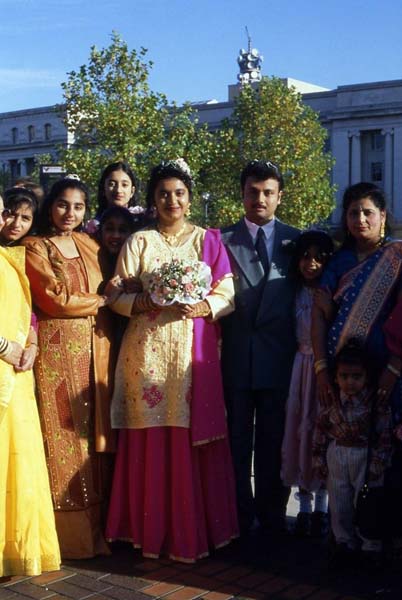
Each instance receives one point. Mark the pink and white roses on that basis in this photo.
(186, 282)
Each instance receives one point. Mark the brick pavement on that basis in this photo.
(287, 569)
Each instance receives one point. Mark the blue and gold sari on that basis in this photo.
(365, 293)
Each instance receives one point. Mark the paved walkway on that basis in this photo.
(288, 569)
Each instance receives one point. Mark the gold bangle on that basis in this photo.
(320, 367)
(4, 346)
(393, 370)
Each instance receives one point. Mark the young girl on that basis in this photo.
(341, 444)
(20, 213)
(115, 226)
(312, 251)
(28, 540)
(118, 186)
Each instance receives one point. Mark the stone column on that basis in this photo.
(356, 157)
(340, 172)
(396, 206)
(23, 167)
(388, 164)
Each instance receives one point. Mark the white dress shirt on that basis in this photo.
(269, 230)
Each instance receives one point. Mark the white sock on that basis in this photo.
(306, 501)
(321, 501)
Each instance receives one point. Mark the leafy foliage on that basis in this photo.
(272, 123)
(114, 115)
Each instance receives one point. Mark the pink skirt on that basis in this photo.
(301, 413)
(172, 498)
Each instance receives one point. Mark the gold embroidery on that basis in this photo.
(153, 375)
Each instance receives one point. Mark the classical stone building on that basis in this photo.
(25, 134)
(364, 124)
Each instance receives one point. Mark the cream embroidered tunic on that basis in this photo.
(153, 374)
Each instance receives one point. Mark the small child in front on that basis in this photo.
(341, 444)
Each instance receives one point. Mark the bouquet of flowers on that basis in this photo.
(186, 282)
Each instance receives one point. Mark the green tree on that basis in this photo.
(40, 159)
(271, 122)
(113, 114)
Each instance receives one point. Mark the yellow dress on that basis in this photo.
(28, 539)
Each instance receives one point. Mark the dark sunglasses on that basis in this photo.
(268, 164)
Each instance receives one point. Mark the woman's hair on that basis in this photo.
(16, 197)
(354, 353)
(67, 183)
(171, 169)
(116, 166)
(357, 192)
(301, 245)
(117, 211)
(29, 184)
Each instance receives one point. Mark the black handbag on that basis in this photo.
(370, 515)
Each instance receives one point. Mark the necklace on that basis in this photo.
(172, 239)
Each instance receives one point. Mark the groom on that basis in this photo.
(258, 346)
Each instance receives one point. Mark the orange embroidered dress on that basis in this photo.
(74, 388)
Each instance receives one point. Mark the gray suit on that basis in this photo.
(257, 355)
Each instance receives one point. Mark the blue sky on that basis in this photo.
(194, 44)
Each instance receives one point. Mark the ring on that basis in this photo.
(381, 391)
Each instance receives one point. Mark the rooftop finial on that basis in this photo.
(249, 39)
(250, 63)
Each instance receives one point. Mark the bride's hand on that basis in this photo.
(132, 285)
(192, 311)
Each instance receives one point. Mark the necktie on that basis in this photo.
(261, 249)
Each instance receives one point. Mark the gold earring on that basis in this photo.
(382, 230)
(188, 211)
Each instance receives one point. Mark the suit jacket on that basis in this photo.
(259, 336)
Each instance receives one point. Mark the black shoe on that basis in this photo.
(303, 525)
(319, 524)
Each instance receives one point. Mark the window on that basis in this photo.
(14, 135)
(376, 171)
(31, 133)
(48, 131)
(373, 157)
(29, 165)
(377, 141)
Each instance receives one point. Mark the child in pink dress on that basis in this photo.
(312, 251)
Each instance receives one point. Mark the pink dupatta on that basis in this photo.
(208, 416)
